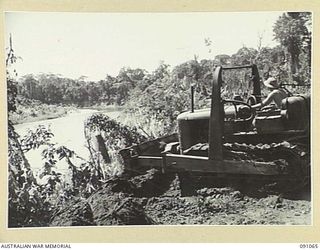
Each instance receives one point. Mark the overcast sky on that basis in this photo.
(94, 45)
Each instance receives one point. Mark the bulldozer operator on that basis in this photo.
(276, 95)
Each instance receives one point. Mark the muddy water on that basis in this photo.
(68, 131)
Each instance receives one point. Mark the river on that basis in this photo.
(68, 131)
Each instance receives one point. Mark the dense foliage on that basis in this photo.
(293, 31)
(105, 137)
(32, 199)
(53, 89)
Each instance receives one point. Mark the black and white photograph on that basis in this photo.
(159, 118)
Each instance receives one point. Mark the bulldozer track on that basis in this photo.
(293, 160)
(296, 156)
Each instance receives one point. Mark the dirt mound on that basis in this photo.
(115, 204)
(118, 209)
(153, 183)
(75, 213)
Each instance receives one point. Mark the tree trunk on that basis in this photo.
(100, 147)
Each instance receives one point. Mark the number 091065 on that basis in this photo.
(309, 246)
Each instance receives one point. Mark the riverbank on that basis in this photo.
(104, 108)
(29, 110)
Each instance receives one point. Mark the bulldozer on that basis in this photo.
(233, 140)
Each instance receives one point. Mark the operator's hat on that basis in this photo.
(272, 83)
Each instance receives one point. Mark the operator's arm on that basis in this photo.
(266, 101)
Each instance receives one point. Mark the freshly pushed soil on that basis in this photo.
(154, 198)
(76, 213)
